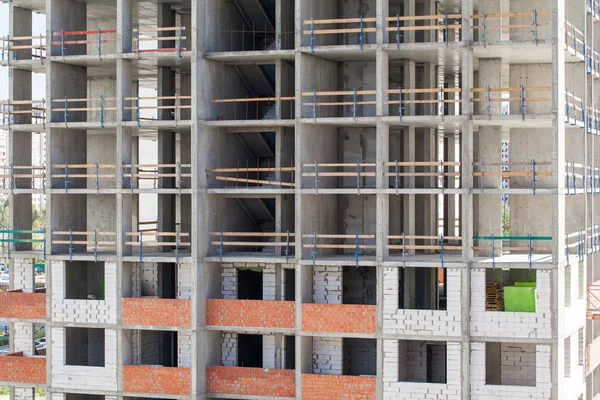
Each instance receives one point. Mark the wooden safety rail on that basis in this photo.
(445, 24)
(253, 176)
(357, 23)
(175, 104)
(358, 99)
(14, 173)
(11, 110)
(93, 240)
(12, 45)
(493, 95)
(593, 302)
(156, 240)
(154, 34)
(16, 237)
(341, 243)
(575, 245)
(406, 169)
(154, 172)
(100, 105)
(481, 22)
(575, 112)
(575, 174)
(262, 39)
(252, 108)
(405, 99)
(79, 171)
(503, 171)
(574, 39)
(409, 244)
(282, 242)
(499, 243)
(360, 171)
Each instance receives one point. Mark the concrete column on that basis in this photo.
(278, 85)
(278, 25)
(124, 27)
(409, 9)
(19, 20)
(428, 81)
(382, 83)
(409, 82)
(409, 182)
(67, 15)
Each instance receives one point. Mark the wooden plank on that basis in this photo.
(341, 165)
(423, 17)
(510, 100)
(510, 26)
(341, 103)
(428, 90)
(339, 21)
(341, 30)
(162, 234)
(424, 28)
(257, 181)
(83, 166)
(83, 233)
(251, 234)
(340, 93)
(400, 237)
(253, 99)
(338, 246)
(268, 169)
(508, 15)
(160, 29)
(339, 174)
(253, 244)
(509, 174)
(420, 163)
(327, 236)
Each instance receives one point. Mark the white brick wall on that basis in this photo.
(184, 281)
(23, 275)
(229, 349)
(184, 350)
(420, 322)
(149, 279)
(269, 351)
(327, 285)
(327, 355)
(510, 324)
(84, 311)
(517, 364)
(82, 377)
(228, 282)
(58, 396)
(24, 393)
(269, 282)
(481, 391)
(392, 370)
(23, 338)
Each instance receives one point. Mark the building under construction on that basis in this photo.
(303, 199)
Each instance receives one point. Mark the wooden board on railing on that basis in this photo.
(251, 234)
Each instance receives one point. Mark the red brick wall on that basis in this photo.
(23, 305)
(157, 312)
(250, 313)
(16, 368)
(339, 318)
(337, 387)
(251, 381)
(158, 380)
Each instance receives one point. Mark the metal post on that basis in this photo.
(361, 33)
(312, 35)
(314, 252)
(358, 176)
(70, 244)
(489, 97)
(356, 251)
(397, 180)
(179, 181)
(287, 246)
(400, 103)
(221, 246)
(97, 180)
(316, 177)
(315, 105)
(137, 42)
(523, 102)
(397, 32)
(534, 31)
(446, 30)
(66, 178)
(442, 248)
(179, 41)
(533, 180)
(176, 245)
(62, 43)
(354, 105)
(13, 181)
(95, 246)
(141, 246)
(102, 111)
(137, 108)
(99, 43)
(493, 252)
(484, 35)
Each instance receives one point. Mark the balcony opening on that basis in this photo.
(511, 364)
(512, 290)
(158, 348)
(250, 284)
(422, 361)
(84, 280)
(290, 284)
(79, 396)
(290, 352)
(360, 285)
(422, 289)
(85, 347)
(359, 357)
(250, 351)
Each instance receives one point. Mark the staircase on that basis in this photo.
(270, 112)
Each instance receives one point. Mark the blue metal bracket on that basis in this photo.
(356, 250)
(180, 41)
(354, 105)
(489, 98)
(567, 106)
(312, 35)
(398, 32)
(574, 177)
(567, 250)
(314, 251)
(484, 34)
(567, 179)
(99, 43)
(446, 30)
(314, 105)
(534, 31)
(66, 178)
(534, 179)
(97, 180)
(65, 113)
(287, 246)
(141, 246)
(442, 104)
(13, 180)
(579, 247)
(403, 249)
(400, 110)
(179, 180)
(176, 245)
(102, 111)
(70, 244)
(361, 33)
(137, 42)
(63, 49)
(137, 108)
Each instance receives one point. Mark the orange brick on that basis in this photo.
(339, 318)
(18, 369)
(251, 381)
(337, 387)
(157, 380)
(157, 312)
(251, 313)
(22, 305)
